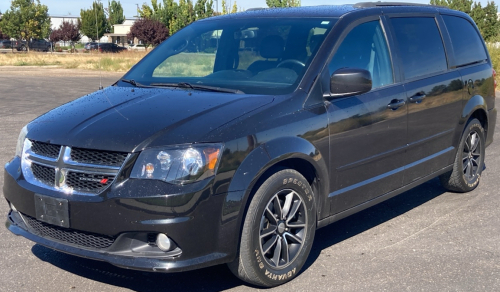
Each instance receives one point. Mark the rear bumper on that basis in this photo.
(492, 120)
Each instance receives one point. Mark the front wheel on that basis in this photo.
(278, 231)
(469, 161)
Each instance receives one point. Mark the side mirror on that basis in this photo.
(350, 81)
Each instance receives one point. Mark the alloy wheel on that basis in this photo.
(471, 156)
(283, 228)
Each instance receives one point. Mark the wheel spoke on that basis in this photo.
(466, 165)
(269, 244)
(293, 211)
(270, 216)
(284, 251)
(469, 169)
(268, 231)
(287, 205)
(474, 162)
(277, 207)
(277, 253)
(467, 143)
(474, 142)
(295, 225)
(294, 238)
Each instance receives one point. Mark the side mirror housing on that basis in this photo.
(350, 81)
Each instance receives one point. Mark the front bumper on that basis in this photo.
(130, 213)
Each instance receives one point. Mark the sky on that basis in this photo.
(72, 7)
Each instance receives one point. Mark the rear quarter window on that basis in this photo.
(467, 44)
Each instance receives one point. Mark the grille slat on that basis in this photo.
(90, 183)
(45, 149)
(44, 174)
(98, 157)
(80, 238)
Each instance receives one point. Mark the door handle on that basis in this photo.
(417, 98)
(395, 104)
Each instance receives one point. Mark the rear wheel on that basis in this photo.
(469, 161)
(278, 231)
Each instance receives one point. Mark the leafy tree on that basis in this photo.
(235, 8)
(225, 9)
(26, 19)
(149, 31)
(183, 15)
(478, 14)
(204, 9)
(491, 24)
(88, 21)
(282, 3)
(67, 32)
(115, 11)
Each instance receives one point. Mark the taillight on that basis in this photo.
(494, 78)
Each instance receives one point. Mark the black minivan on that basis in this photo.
(239, 136)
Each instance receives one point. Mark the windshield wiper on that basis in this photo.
(198, 87)
(133, 82)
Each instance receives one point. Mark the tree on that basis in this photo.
(491, 24)
(183, 15)
(149, 31)
(67, 32)
(225, 9)
(235, 8)
(115, 11)
(204, 9)
(88, 19)
(26, 19)
(478, 14)
(282, 3)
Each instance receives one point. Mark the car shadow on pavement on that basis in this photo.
(373, 216)
(219, 277)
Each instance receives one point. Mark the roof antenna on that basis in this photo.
(98, 44)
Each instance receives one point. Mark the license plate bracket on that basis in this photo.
(51, 210)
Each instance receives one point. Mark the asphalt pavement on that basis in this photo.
(425, 239)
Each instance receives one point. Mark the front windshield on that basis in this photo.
(256, 56)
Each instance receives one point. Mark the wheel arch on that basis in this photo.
(294, 153)
(475, 108)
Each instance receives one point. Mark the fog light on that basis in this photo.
(163, 242)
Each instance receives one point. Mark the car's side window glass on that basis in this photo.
(467, 44)
(420, 44)
(365, 47)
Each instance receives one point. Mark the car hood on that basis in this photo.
(131, 119)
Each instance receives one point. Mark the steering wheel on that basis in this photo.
(291, 61)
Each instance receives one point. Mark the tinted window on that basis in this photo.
(420, 45)
(467, 43)
(365, 47)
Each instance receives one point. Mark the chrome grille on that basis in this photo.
(45, 149)
(69, 235)
(44, 174)
(98, 157)
(73, 170)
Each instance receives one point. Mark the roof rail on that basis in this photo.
(256, 8)
(382, 4)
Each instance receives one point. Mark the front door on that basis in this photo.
(368, 132)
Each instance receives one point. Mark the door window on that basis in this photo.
(365, 47)
(420, 44)
(467, 44)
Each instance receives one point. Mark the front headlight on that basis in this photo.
(178, 164)
(20, 141)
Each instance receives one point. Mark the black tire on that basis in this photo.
(287, 240)
(469, 161)
(23, 48)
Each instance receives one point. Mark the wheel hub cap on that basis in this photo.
(281, 228)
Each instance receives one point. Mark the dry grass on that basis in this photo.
(114, 62)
